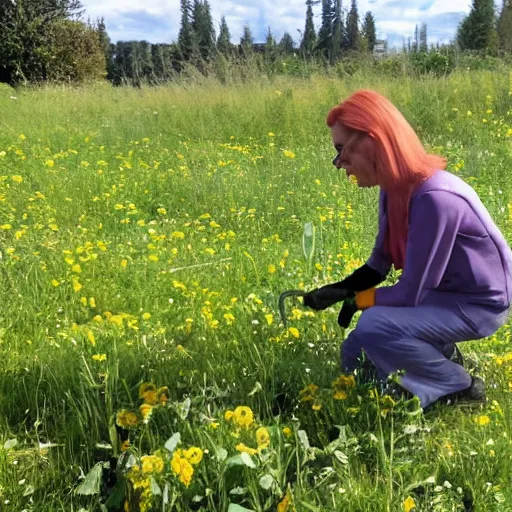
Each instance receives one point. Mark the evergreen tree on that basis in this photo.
(423, 38)
(286, 45)
(338, 30)
(477, 31)
(270, 47)
(186, 35)
(324, 41)
(106, 46)
(505, 27)
(353, 35)
(370, 32)
(246, 41)
(202, 29)
(224, 41)
(307, 45)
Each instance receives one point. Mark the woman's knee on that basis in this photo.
(372, 321)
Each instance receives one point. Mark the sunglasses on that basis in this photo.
(339, 149)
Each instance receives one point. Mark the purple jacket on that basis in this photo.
(455, 255)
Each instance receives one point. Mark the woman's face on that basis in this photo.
(356, 154)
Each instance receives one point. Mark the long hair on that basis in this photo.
(401, 161)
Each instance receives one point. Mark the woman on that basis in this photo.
(456, 281)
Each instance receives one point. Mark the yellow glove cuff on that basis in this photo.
(365, 299)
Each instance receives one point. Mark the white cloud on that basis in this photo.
(159, 20)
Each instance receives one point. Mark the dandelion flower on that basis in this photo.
(409, 504)
(483, 420)
(263, 437)
(242, 448)
(126, 418)
(152, 464)
(294, 332)
(145, 410)
(243, 416)
(194, 455)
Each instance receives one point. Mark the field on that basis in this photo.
(145, 237)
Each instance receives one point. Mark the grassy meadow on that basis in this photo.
(145, 237)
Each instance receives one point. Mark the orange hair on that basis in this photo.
(402, 163)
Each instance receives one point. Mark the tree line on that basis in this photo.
(47, 40)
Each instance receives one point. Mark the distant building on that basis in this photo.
(381, 47)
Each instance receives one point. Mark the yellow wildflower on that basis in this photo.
(284, 504)
(263, 438)
(145, 410)
(17, 178)
(100, 357)
(152, 464)
(243, 416)
(147, 392)
(182, 467)
(125, 445)
(194, 455)
(409, 504)
(287, 431)
(228, 415)
(162, 395)
(308, 393)
(294, 332)
(241, 447)
(483, 420)
(288, 154)
(126, 418)
(269, 318)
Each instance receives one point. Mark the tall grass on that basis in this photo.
(145, 237)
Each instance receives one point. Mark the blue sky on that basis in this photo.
(158, 21)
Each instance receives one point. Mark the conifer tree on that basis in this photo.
(353, 35)
(477, 31)
(369, 31)
(286, 45)
(338, 31)
(307, 45)
(505, 27)
(224, 40)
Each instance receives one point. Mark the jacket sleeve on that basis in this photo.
(380, 260)
(434, 222)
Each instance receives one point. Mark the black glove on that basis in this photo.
(363, 278)
(348, 310)
(326, 296)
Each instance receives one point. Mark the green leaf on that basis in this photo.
(304, 439)
(117, 496)
(92, 481)
(183, 408)
(308, 241)
(247, 460)
(341, 456)
(155, 488)
(238, 491)
(10, 444)
(172, 442)
(222, 453)
(266, 481)
(233, 507)
(236, 460)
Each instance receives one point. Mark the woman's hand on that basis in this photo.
(326, 296)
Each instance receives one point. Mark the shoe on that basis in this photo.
(456, 356)
(474, 394)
